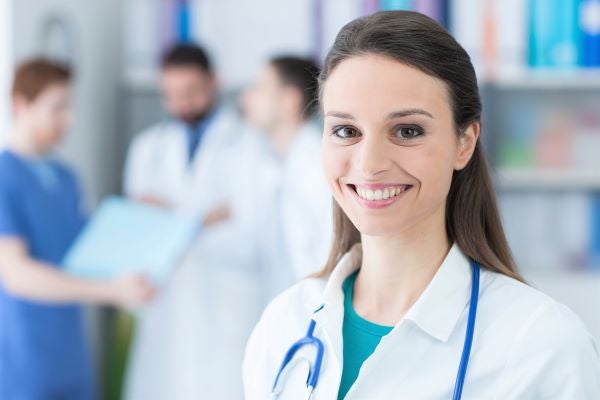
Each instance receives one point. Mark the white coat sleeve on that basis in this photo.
(553, 357)
(137, 179)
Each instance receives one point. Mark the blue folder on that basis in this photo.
(128, 237)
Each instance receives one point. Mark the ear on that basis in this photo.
(466, 145)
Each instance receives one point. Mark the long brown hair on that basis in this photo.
(472, 218)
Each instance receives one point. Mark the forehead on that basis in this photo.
(269, 75)
(375, 84)
(184, 72)
(54, 91)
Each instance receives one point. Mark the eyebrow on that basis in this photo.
(392, 115)
(412, 111)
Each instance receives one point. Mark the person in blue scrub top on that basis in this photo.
(43, 351)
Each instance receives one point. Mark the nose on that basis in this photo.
(372, 158)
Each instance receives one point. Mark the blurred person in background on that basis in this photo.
(295, 221)
(170, 163)
(43, 349)
(190, 343)
(183, 163)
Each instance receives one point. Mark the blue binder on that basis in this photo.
(128, 237)
(589, 21)
(553, 33)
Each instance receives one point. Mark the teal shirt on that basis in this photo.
(360, 338)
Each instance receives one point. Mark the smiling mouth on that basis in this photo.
(382, 194)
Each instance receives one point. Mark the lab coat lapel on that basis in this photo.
(208, 148)
(446, 298)
(174, 155)
(330, 317)
(207, 176)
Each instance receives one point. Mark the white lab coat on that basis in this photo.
(294, 212)
(157, 164)
(189, 342)
(526, 346)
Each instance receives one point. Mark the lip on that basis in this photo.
(376, 204)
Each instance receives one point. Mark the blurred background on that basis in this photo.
(538, 63)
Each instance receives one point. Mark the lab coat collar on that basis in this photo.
(329, 314)
(439, 307)
(444, 300)
(349, 263)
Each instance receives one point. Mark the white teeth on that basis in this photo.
(385, 194)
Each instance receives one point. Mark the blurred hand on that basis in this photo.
(154, 201)
(131, 291)
(218, 214)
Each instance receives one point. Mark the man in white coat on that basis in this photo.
(170, 163)
(180, 164)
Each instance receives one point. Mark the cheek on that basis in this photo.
(272, 103)
(336, 163)
(44, 120)
(200, 100)
(433, 167)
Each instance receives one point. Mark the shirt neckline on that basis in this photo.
(352, 317)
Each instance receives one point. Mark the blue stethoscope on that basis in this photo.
(315, 367)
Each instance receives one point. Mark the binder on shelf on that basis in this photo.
(553, 33)
(589, 22)
(467, 26)
(432, 8)
(396, 4)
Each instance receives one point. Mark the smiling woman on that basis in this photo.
(420, 282)
(423, 104)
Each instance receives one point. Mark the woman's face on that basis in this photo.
(389, 145)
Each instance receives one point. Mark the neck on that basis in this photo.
(283, 133)
(396, 270)
(19, 141)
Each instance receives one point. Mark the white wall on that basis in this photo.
(97, 37)
(6, 65)
(240, 35)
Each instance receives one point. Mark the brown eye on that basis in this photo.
(409, 132)
(345, 132)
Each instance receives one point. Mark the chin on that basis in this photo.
(379, 226)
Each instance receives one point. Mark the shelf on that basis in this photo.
(547, 179)
(546, 79)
